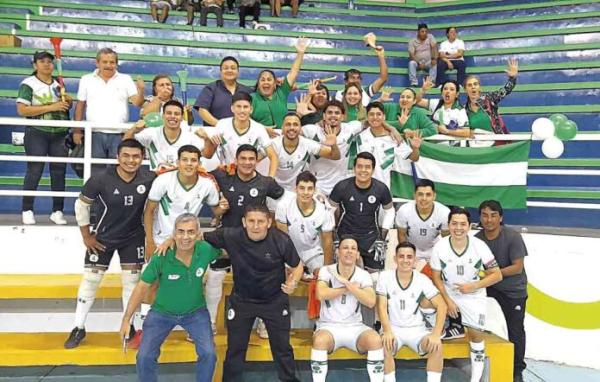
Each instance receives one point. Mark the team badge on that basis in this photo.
(285, 312)
(141, 189)
(253, 192)
(230, 314)
(93, 258)
(372, 199)
(199, 272)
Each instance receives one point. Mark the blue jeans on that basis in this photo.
(412, 72)
(157, 327)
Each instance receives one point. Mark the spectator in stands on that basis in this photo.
(482, 109)
(355, 110)
(39, 98)
(104, 96)
(408, 119)
(164, 6)
(162, 92)
(277, 4)
(355, 76)
(269, 101)
(511, 293)
(247, 7)
(214, 101)
(451, 56)
(211, 6)
(422, 55)
(311, 106)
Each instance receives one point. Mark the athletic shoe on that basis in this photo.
(188, 338)
(77, 335)
(134, 340)
(28, 217)
(58, 218)
(454, 331)
(261, 330)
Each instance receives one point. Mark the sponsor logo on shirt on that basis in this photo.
(173, 277)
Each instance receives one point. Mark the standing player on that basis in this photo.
(456, 262)
(120, 192)
(342, 289)
(360, 198)
(421, 222)
(295, 151)
(400, 293)
(308, 222)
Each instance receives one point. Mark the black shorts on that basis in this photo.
(130, 253)
(222, 263)
(365, 247)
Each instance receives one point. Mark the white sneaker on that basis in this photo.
(28, 217)
(261, 330)
(58, 218)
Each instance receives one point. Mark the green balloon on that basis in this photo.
(153, 120)
(566, 131)
(557, 119)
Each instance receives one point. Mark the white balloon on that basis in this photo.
(542, 128)
(553, 147)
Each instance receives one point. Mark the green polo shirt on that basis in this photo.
(180, 288)
(479, 120)
(418, 119)
(271, 111)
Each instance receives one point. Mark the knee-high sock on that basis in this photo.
(213, 292)
(477, 360)
(318, 365)
(129, 279)
(375, 365)
(434, 376)
(390, 377)
(86, 295)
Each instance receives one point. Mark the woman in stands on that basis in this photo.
(482, 109)
(162, 91)
(355, 111)
(269, 101)
(408, 119)
(40, 98)
(451, 57)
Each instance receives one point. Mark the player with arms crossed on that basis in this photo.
(456, 262)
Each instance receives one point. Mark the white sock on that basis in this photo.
(434, 376)
(213, 291)
(375, 365)
(86, 295)
(129, 280)
(318, 365)
(390, 377)
(477, 360)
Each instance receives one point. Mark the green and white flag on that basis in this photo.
(466, 176)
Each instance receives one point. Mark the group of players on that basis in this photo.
(327, 186)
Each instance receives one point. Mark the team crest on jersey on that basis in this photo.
(141, 189)
(285, 312)
(371, 199)
(253, 192)
(230, 314)
(93, 258)
(199, 272)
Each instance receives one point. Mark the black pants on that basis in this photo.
(460, 67)
(240, 318)
(254, 10)
(41, 143)
(514, 313)
(218, 11)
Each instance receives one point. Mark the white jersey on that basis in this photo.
(328, 171)
(256, 135)
(446, 116)
(161, 152)
(175, 200)
(386, 152)
(423, 233)
(305, 231)
(461, 268)
(344, 309)
(403, 303)
(292, 164)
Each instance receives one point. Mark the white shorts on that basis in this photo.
(411, 337)
(472, 309)
(312, 258)
(344, 336)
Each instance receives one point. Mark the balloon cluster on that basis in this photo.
(553, 131)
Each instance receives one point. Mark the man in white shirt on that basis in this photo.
(451, 56)
(104, 95)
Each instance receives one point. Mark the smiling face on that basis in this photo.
(490, 219)
(305, 191)
(246, 163)
(107, 65)
(405, 259)
(44, 66)
(333, 116)
(449, 93)
(242, 110)
(130, 159)
(354, 78)
(266, 84)
(363, 170)
(424, 196)
(407, 99)
(188, 163)
(291, 127)
(257, 224)
(473, 87)
(352, 96)
(375, 117)
(348, 252)
(185, 234)
(458, 226)
(172, 117)
(320, 99)
(229, 71)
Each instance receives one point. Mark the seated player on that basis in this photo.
(400, 293)
(342, 288)
(456, 262)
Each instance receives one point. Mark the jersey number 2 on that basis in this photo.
(240, 200)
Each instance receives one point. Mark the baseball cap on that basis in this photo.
(41, 55)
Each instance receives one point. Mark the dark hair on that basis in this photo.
(375, 105)
(406, 244)
(241, 96)
(448, 30)
(493, 205)
(306, 176)
(365, 155)
(421, 26)
(173, 102)
(292, 114)
(347, 237)
(260, 74)
(155, 80)
(348, 72)
(459, 211)
(441, 101)
(255, 207)
(228, 58)
(335, 103)
(130, 142)
(411, 90)
(425, 183)
(246, 147)
(188, 149)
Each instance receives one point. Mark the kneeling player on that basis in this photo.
(342, 288)
(399, 294)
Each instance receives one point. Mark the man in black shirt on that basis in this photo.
(360, 199)
(258, 255)
(120, 194)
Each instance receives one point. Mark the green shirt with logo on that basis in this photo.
(180, 288)
(271, 111)
(35, 92)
